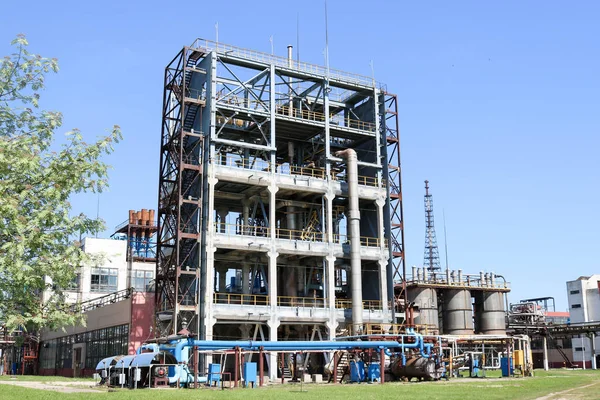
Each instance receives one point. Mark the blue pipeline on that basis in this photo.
(274, 346)
(148, 346)
(419, 343)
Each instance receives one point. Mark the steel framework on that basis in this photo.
(432, 257)
(179, 198)
(255, 109)
(394, 218)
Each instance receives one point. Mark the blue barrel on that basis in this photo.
(504, 366)
(357, 371)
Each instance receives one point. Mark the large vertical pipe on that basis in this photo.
(245, 278)
(354, 236)
(291, 221)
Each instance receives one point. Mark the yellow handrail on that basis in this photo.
(367, 304)
(241, 299)
(291, 301)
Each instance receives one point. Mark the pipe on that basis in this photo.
(274, 345)
(354, 236)
(153, 346)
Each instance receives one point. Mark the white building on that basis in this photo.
(115, 271)
(584, 307)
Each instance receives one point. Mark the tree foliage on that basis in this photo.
(38, 253)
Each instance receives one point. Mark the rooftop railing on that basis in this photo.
(283, 62)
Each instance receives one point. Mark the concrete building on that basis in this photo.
(280, 211)
(115, 291)
(584, 308)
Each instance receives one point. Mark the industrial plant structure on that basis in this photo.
(280, 204)
(452, 302)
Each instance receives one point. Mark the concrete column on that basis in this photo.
(593, 340)
(383, 289)
(583, 350)
(222, 279)
(245, 278)
(545, 347)
(273, 325)
(222, 213)
(330, 294)
(273, 189)
(272, 281)
(329, 216)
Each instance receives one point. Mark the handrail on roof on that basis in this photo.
(279, 61)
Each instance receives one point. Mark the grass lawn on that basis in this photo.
(543, 384)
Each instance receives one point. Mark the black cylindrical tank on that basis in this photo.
(415, 367)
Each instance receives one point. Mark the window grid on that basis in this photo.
(104, 280)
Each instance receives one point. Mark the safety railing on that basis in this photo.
(102, 301)
(265, 58)
(235, 161)
(364, 240)
(239, 229)
(241, 299)
(243, 102)
(295, 234)
(457, 278)
(256, 164)
(362, 180)
(195, 94)
(289, 301)
(395, 329)
(367, 304)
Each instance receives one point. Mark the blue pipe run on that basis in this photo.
(147, 346)
(274, 346)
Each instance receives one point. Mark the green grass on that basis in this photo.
(542, 384)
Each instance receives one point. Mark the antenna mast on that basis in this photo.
(432, 257)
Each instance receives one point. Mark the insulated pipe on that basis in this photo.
(291, 152)
(354, 236)
(291, 218)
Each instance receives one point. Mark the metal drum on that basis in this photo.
(426, 300)
(492, 317)
(458, 312)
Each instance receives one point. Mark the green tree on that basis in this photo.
(38, 252)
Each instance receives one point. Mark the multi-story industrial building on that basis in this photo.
(115, 291)
(280, 211)
(584, 308)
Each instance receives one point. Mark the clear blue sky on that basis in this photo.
(499, 108)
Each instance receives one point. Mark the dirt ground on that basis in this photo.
(63, 387)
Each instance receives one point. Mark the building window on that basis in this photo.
(74, 284)
(142, 280)
(104, 280)
(580, 349)
(576, 306)
(574, 292)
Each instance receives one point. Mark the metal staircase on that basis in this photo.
(310, 231)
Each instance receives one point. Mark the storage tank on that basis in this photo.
(426, 300)
(491, 318)
(458, 312)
